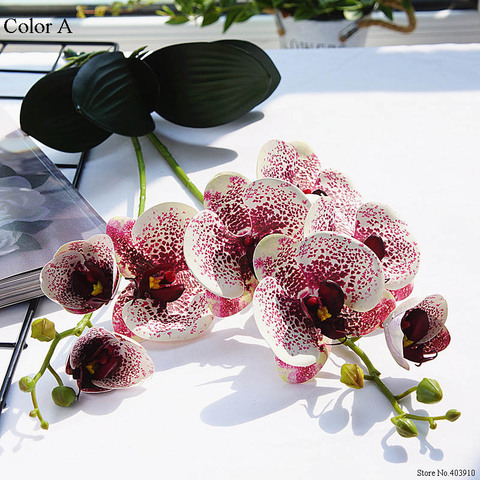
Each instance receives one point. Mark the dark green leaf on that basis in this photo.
(209, 18)
(209, 84)
(177, 20)
(49, 115)
(106, 91)
(387, 11)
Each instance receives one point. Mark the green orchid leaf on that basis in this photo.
(262, 57)
(209, 84)
(49, 115)
(107, 90)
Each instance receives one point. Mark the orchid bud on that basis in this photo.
(405, 427)
(429, 391)
(63, 396)
(43, 330)
(452, 415)
(352, 375)
(26, 384)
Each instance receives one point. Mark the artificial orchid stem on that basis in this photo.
(141, 174)
(77, 331)
(163, 150)
(374, 376)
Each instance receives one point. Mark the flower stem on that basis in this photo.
(162, 149)
(77, 331)
(374, 376)
(141, 174)
(406, 393)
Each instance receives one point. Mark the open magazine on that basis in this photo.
(39, 211)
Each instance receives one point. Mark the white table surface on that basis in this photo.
(403, 123)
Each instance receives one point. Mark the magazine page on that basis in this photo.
(39, 208)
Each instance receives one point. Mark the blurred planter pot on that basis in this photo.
(318, 33)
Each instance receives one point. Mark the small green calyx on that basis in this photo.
(352, 375)
(452, 415)
(405, 427)
(26, 384)
(43, 330)
(429, 391)
(63, 396)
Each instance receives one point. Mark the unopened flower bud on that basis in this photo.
(429, 391)
(43, 329)
(352, 375)
(26, 384)
(63, 396)
(452, 415)
(405, 427)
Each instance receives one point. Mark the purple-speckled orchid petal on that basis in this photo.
(158, 233)
(291, 374)
(224, 195)
(436, 344)
(226, 307)
(347, 199)
(134, 367)
(308, 166)
(125, 296)
(276, 206)
(358, 324)
(274, 257)
(182, 319)
(215, 256)
(436, 308)
(130, 261)
(402, 256)
(287, 330)
(345, 261)
(402, 293)
(55, 277)
(394, 338)
(320, 217)
(277, 159)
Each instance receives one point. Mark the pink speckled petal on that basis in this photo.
(358, 324)
(435, 306)
(119, 326)
(320, 217)
(55, 277)
(225, 307)
(274, 257)
(346, 261)
(224, 196)
(183, 319)
(402, 256)
(308, 166)
(438, 343)
(276, 206)
(402, 293)
(158, 233)
(130, 261)
(291, 374)
(277, 159)
(347, 199)
(215, 256)
(98, 249)
(394, 338)
(55, 282)
(287, 330)
(135, 367)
